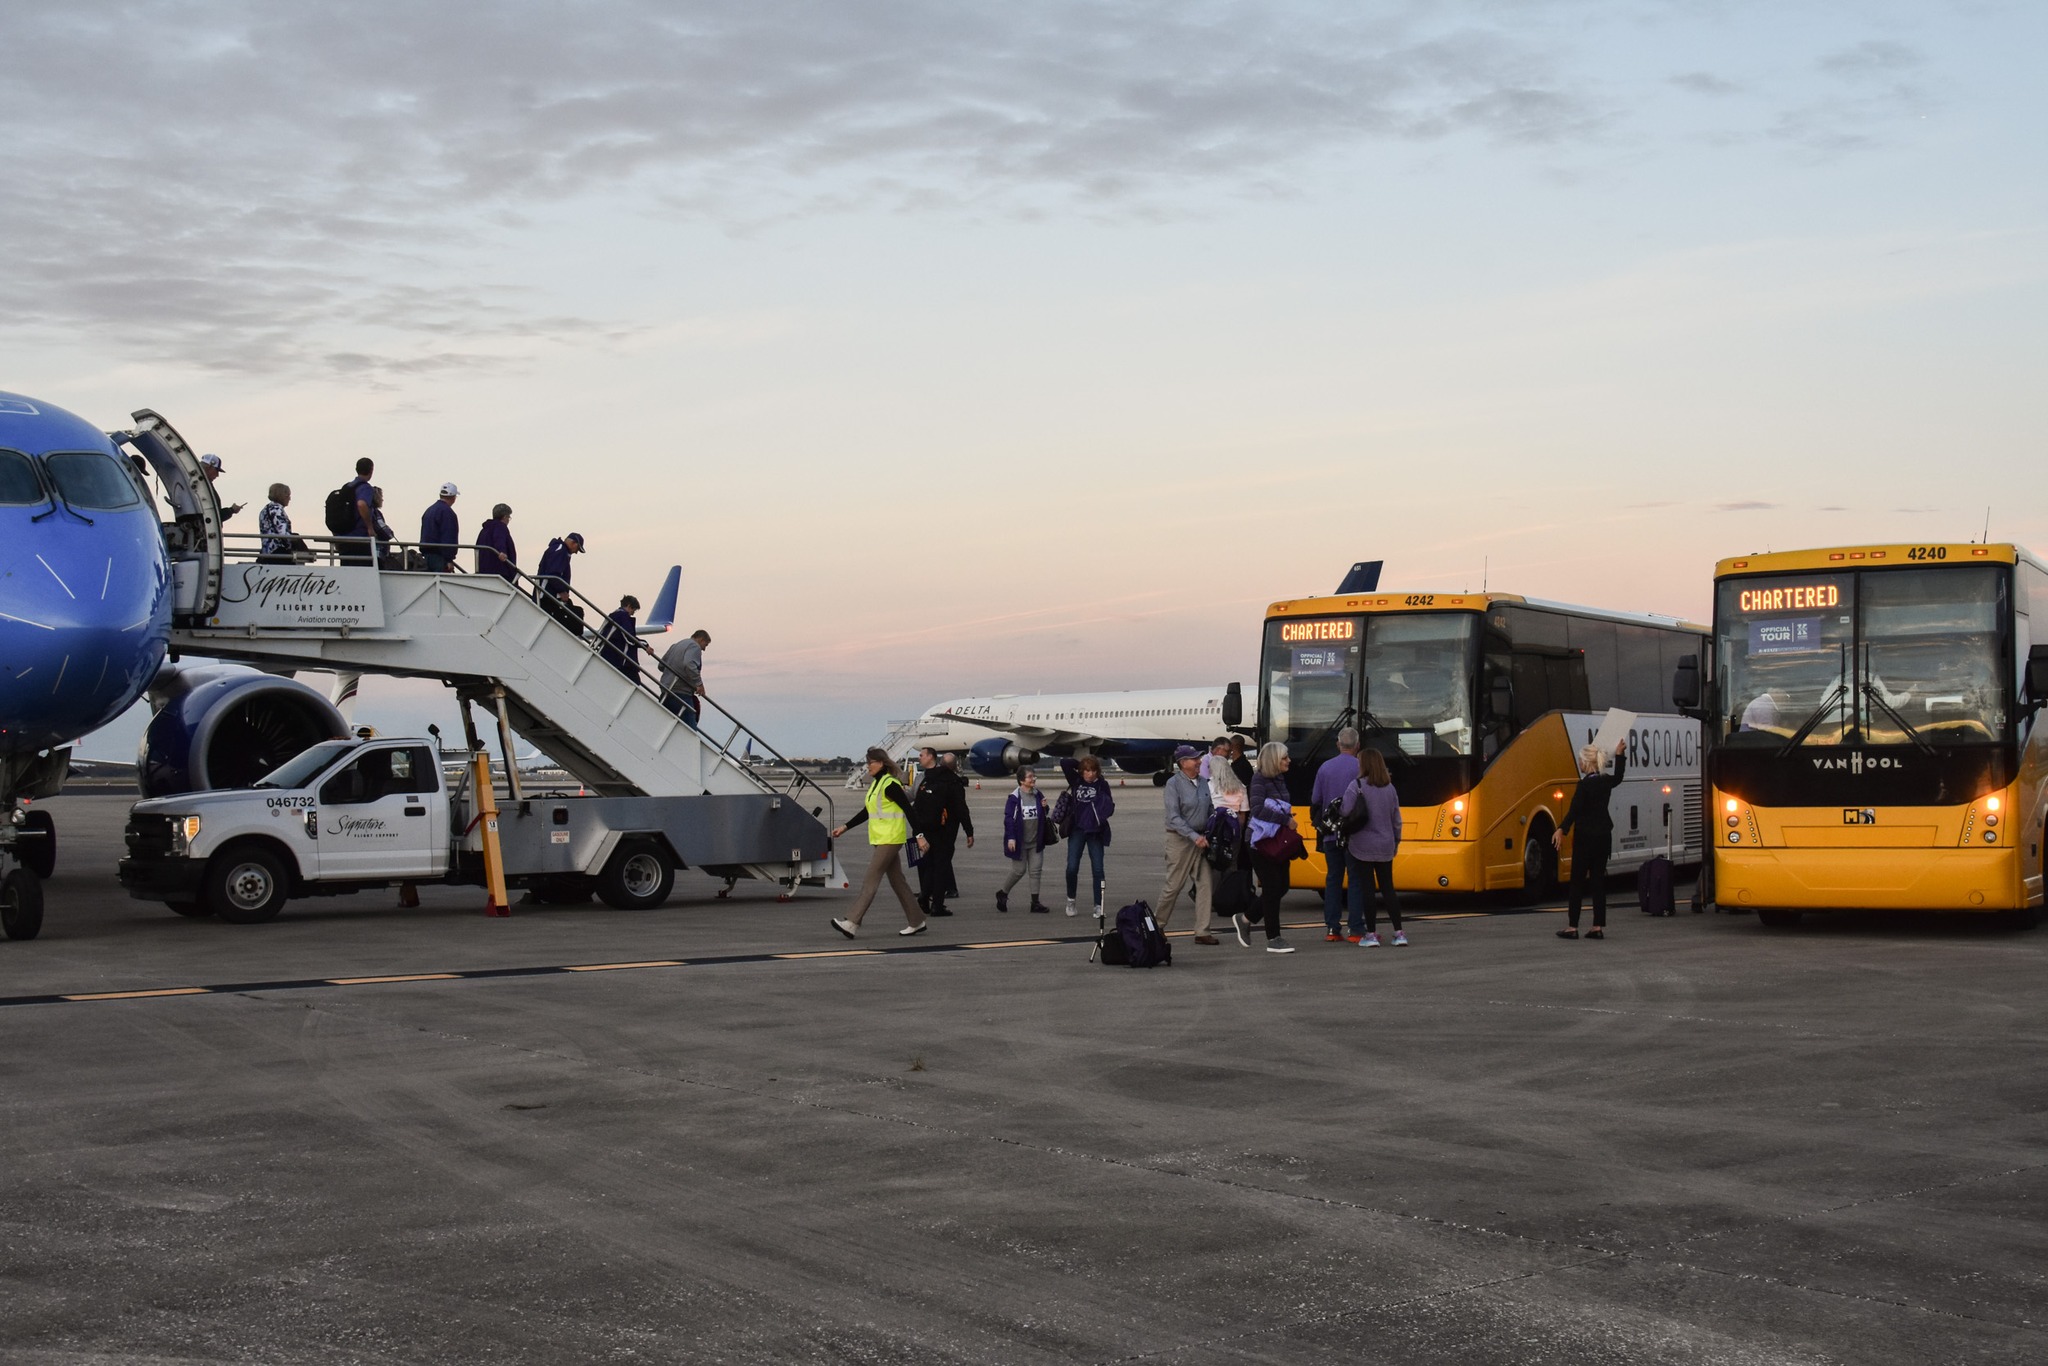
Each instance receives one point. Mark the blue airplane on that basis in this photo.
(85, 617)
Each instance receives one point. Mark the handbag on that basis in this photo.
(1063, 813)
(1282, 846)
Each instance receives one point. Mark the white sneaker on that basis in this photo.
(1098, 912)
(1400, 940)
(846, 927)
(1070, 907)
(915, 929)
(1371, 941)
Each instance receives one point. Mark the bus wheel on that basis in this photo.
(1778, 920)
(638, 877)
(1539, 860)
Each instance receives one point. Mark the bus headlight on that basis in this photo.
(1991, 803)
(1733, 821)
(1731, 806)
(1735, 837)
(1991, 837)
(1990, 820)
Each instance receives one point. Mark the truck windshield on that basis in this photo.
(306, 766)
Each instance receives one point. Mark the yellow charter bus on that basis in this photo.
(1480, 701)
(1870, 714)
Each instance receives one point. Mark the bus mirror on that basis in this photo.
(2037, 676)
(1233, 706)
(1685, 683)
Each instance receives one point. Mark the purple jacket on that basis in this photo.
(1380, 840)
(1013, 822)
(1093, 804)
(495, 553)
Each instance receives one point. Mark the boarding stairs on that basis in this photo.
(521, 653)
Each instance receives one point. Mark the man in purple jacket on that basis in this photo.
(1337, 773)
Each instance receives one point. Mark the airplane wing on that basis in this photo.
(663, 614)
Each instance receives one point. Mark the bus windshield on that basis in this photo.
(1888, 657)
(1417, 683)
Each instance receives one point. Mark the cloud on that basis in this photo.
(272, 188)
(1744, 506)
(1704, 83)
(1868, 59)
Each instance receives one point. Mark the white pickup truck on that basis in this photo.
(349, 815)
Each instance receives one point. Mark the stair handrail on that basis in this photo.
(593, 637)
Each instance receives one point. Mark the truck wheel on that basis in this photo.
(1777, 920)
(195, 910)
(246, 885)
(21, 904)
(638, 878)
(1539, 860)
(39, 850)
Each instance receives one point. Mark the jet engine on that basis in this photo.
(998, 758)
(226, 726)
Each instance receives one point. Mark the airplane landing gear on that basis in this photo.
(21, 901)
(37, 843)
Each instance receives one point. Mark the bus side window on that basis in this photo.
(1597, 640)
(1645, 682)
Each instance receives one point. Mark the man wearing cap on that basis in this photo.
(553, 579)
(210, 466)
(1187, 821)
(440, 532)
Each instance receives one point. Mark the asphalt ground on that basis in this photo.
(1697, 1141)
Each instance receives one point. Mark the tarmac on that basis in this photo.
(723, 1139)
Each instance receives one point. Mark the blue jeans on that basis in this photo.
(1092, 842)
(1333, 889)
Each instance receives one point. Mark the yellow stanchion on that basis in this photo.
(487, 812)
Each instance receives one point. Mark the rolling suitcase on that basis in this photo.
(1653, 887)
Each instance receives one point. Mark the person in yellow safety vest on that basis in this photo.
(890, 826)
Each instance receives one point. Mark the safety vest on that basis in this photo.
(887, 822)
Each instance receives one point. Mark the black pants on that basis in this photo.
(1368, 876)
(1589, 868)
(1274, 875)
(935, 873)
(355, 551)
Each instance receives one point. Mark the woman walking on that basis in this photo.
(1089, 805)
(1271, 811)
(886, 813)
(1027, 829)
(1370, 849)
(1596, 837)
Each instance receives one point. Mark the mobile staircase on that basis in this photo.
(520, 651)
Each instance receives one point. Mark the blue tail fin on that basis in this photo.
(663, 614)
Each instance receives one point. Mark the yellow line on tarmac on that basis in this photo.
(615, 967)
(1011, 944)
(1452, 915)
(832, 953)
(407, 977)
(138, 995)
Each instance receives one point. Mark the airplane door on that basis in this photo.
(376, 816)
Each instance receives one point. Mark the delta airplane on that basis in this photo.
(1139, 730)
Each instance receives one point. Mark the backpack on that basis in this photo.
(1234, 895)
(1063, 813)
(1145, 945)
(341, 509)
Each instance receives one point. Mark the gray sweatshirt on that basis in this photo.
(1187, 806)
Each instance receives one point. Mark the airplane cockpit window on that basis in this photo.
(91, 479)
(19, 486)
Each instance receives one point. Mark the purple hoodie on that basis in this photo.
(1380, 840)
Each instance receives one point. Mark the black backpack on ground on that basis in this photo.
(1144, 942)
(341, 509)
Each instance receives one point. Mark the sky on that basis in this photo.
(955, 348)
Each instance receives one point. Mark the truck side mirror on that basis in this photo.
(1685, 684)
(1233, 706)
(2037, 677)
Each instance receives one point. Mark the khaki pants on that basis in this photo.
(886, 864)
(1184, 864)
